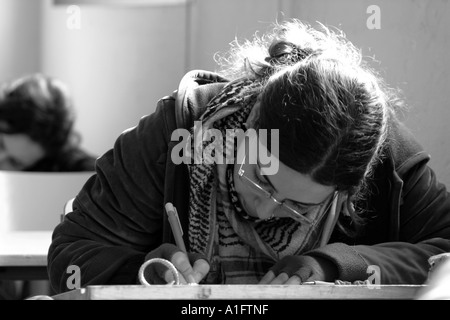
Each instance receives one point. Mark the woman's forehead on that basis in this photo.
(288, 183)
(293, 185)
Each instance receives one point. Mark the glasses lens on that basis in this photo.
(294, 211)
(255, 187)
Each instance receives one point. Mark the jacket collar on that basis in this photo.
(194, 92)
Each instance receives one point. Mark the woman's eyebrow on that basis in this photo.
(265, 177)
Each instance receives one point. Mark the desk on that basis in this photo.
(241, 292)
(23, 255)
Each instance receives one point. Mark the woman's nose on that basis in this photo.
(265, 208)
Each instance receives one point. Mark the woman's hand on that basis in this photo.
(192, 267)
(299, 269)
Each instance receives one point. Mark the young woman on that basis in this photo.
(352, 192)
(36, 127)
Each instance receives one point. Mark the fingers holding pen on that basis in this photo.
(181, 261)
(192, 267)
(200, 265)
(188, 267)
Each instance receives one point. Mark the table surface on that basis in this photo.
(24, 248)
(241, 292)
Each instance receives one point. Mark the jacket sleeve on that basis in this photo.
(118, 215)
(424, 230)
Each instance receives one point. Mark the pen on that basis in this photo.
(175, 224)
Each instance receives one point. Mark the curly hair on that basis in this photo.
(331, 109)
(284, 44)
(40, 107)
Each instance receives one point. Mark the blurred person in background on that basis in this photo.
(36, 127)
(36, 134)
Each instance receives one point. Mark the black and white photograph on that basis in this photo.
(224, 158)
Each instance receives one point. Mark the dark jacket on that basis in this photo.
(119, 214)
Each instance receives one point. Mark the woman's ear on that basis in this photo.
(347, 206)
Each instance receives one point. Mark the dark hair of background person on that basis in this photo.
(41, 107)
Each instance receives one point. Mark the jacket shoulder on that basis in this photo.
(194, 92)
(404, 148)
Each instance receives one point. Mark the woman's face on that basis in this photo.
(286, 184)
(18, 152)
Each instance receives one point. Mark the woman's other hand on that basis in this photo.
(299, 269)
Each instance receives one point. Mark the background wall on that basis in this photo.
(122, 59)
(20, 38)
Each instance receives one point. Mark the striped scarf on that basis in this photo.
(240, 250)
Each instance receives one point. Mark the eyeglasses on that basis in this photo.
(295, 210)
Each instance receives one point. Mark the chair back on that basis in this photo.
(35, 200)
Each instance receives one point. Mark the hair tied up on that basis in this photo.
(286, 53)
